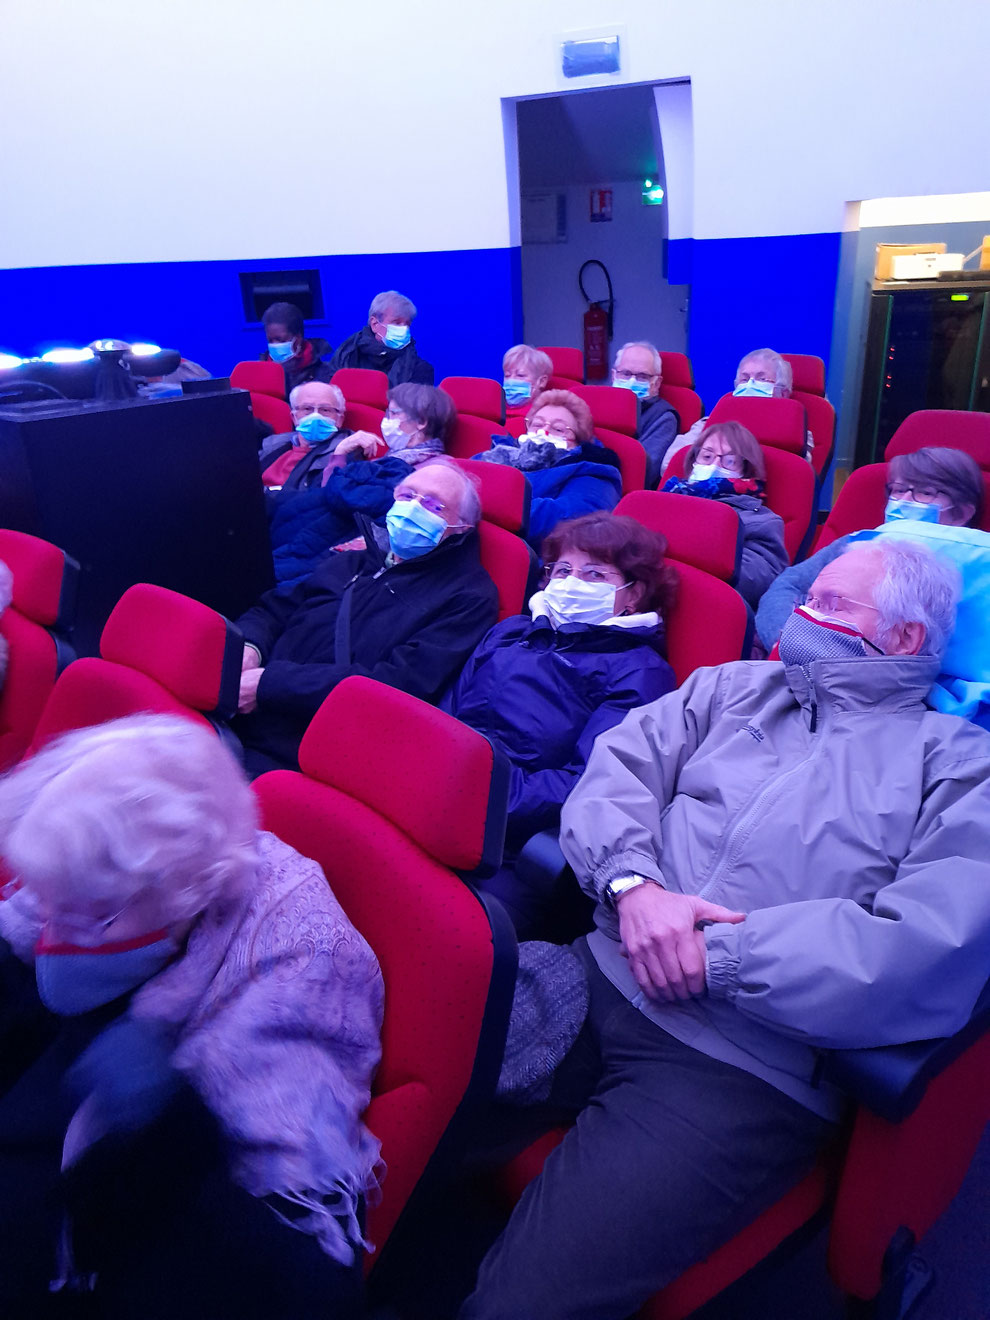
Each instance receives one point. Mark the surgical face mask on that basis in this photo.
(394, 436)
(397, 336)
(757, 388)
(702, 471)
(314, 427)
(281, 352)
(809, 635)
(542, 438)
(412, 529)
(516, 390)
(640, 388)
(569, 600)
(910, 511)
(73, 979)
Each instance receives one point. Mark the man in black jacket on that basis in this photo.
(639, 367)
(408, 615)
(385, 344)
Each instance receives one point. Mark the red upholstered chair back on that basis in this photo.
(159, 652)
(709, 624)
(477, 396)
(686, 403)
(677, 370)
(395, 798)
(568, 363)
(821, 424)
(860, 504)
(702, 533)
(808, 371)
(473, 435)
(780, 423)
(631, 455)
(275, 413)
(615, 409)
(260, 378)
(945, 428)
(361, 385)
(505, 494)
(511, 565)
(363, 417)
(33, 625)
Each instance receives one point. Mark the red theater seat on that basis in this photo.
(33, 625)
(568, 364)
(685, 403)
(710, 623)
(945, 428)
(361, 385)
(677, 370)
(511, 565)
(505, 494)
(266, 378)
(473, 435)
(821, 424)
(395, 799)
(615, 409)
(275, 413)
(160, 652)
(780, 423)
(476, 396)
(703, 533)
(808, 371)
(363, 417)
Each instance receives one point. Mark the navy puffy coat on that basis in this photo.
(545, 694)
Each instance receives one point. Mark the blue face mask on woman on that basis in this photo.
(910, 511)
(74, 979)
(314, 427)
(281, 352)
(412, 529)
(517, 390)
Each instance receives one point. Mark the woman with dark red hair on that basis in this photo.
(543, 686)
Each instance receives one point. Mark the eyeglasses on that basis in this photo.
(899, 490)
(731, 462)
(324, 409)
(644, 377)
(428, 501)
(590, 573)
(829, 602)
(559, 430)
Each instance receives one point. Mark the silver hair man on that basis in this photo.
(394, 305)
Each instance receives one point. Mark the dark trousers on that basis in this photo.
(672, 1153)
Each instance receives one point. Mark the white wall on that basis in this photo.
(242, 128)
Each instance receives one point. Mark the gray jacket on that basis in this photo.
(763, 553)
(845, 818)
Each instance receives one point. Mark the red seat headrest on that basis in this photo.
(616, 409)
(190, 650)
(677, 370)
(510, 563)
(477, 396)
(809, 373)
(260, 378)
(505, 493)
(943, 428)
(703, 533)
(431, 757)
(361, 385)
(45, 578)
(778, 422)
(567, 362)
(275, 413)
(686, 403)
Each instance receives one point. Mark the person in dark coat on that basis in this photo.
(300, 358)
(543, 686)
(725, 463)
(639, 367)
(571, 472)
(385, 344)
(300, 459)
(414, 612)
(307, 524)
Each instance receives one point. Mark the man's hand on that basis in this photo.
(363, 440)
(248, 699)
(661, 939)
(251, 658)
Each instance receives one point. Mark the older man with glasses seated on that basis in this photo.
(299, 459)
(407, 610)
(639, 367)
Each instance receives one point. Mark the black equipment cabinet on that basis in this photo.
(927, 346)
(164, 491)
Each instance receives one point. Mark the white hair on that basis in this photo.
(335, 390)
(657, 362)
(470, 510)
(147, 803)
(783, 371)
(531, 359)
(6, 586)
(915, 586)
(392, 301)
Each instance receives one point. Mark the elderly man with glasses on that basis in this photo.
(299, 459)
(639, 367)
(407, 610)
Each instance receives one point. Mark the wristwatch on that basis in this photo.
(622, 884)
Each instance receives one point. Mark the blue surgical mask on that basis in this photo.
(281, 352)
(412, 529)
(397, 336)
(640, 388)
(516, 390)
(760, 389)
(910, 511)
(73, 980)
(314, 427)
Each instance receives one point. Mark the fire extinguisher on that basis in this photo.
(597, 327)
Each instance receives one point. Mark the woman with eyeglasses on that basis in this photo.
(544, 685)
(725, 463)
(189, 1027)
(571, 472)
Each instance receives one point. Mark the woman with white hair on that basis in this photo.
(386, 343)
(526, 372)
(189, 1032)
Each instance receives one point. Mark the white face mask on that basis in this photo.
(393, 434)
(542, 438)
(702, 471)
(569, 600)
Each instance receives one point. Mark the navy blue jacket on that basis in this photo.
(583, 480)
(545, 694)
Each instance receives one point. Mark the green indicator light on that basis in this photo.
(958, 297)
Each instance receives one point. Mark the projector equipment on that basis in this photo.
(113, 380)
(109, 369)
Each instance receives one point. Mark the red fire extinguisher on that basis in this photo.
(597, 327)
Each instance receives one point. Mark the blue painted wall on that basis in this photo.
(469, 305)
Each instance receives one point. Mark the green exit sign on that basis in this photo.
(652, 193)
